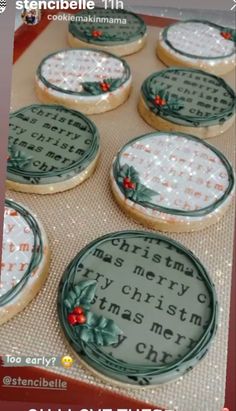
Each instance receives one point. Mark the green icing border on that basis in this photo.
(196, 213)
(126, 76)
(107, 364)
(74, 30)
(81, 165)
(208, 23)
(37, 254)
(175, 116)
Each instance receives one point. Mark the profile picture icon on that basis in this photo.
(3, 5)
(31, 16)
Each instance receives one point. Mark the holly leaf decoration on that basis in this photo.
(88, 326)
(32, 180)
(104, 36)
(143, 194)
(92, 87)
(99, 330)
(81, 294)
(96, 88)
(163, 103)
(17, 159)
(129, 182)
(130, 172)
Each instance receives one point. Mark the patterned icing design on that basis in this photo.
(49, 144)
(200, 99)
(68, 71)
(157, 292)
(107, 27)
(198, 39)
(186, 175)
(21, 250)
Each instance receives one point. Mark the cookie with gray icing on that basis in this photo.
(25, 259)
(172, 182)
(50, 149)
(137, 308)
(89, 80)
(117, 31)
(187, 100)
(198, 44)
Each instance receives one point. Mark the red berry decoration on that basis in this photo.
(132, 186)
(96, 33)
(128, 184)
(105, 86)
(81, 319)
(160, 101)
(78, 310)
(226, 35)
(72, 319)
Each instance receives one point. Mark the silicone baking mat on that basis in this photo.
(74, 218)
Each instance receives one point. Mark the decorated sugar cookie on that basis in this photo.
(25, 260)
(117, 31)
(137, 308)
(50, 149)
(172, 182)
(189, 101)
(91, 81)
(199, 44)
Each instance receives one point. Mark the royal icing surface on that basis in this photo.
(107, 27)
(198, 40)
(189, 97)
(49, 143)
(82, 73)
(181, 175)
(158, 295)
(18, 242)
(22, 250)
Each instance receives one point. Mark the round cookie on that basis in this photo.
(137, 308)
(51, 149)
(172, 182)
(198, 44)
(91, 81)
(116, 31)
(189, 101)
(25, 260)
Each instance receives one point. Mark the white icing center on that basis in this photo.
(68, 69)
(186, 174)
(18, 241)
(199, 39)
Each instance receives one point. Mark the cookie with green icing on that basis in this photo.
(50, 149)
(172, 182)
(91, 81)
(137, 308)
(187, 100)
(117, 31)
(25, 259)
(198, 44)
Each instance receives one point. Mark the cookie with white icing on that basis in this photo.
(137, 308)
(117, 31)
(25, 260)
(91, 81)
(172, 182)
(50, 149)
(198, 44)
(189, 101)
